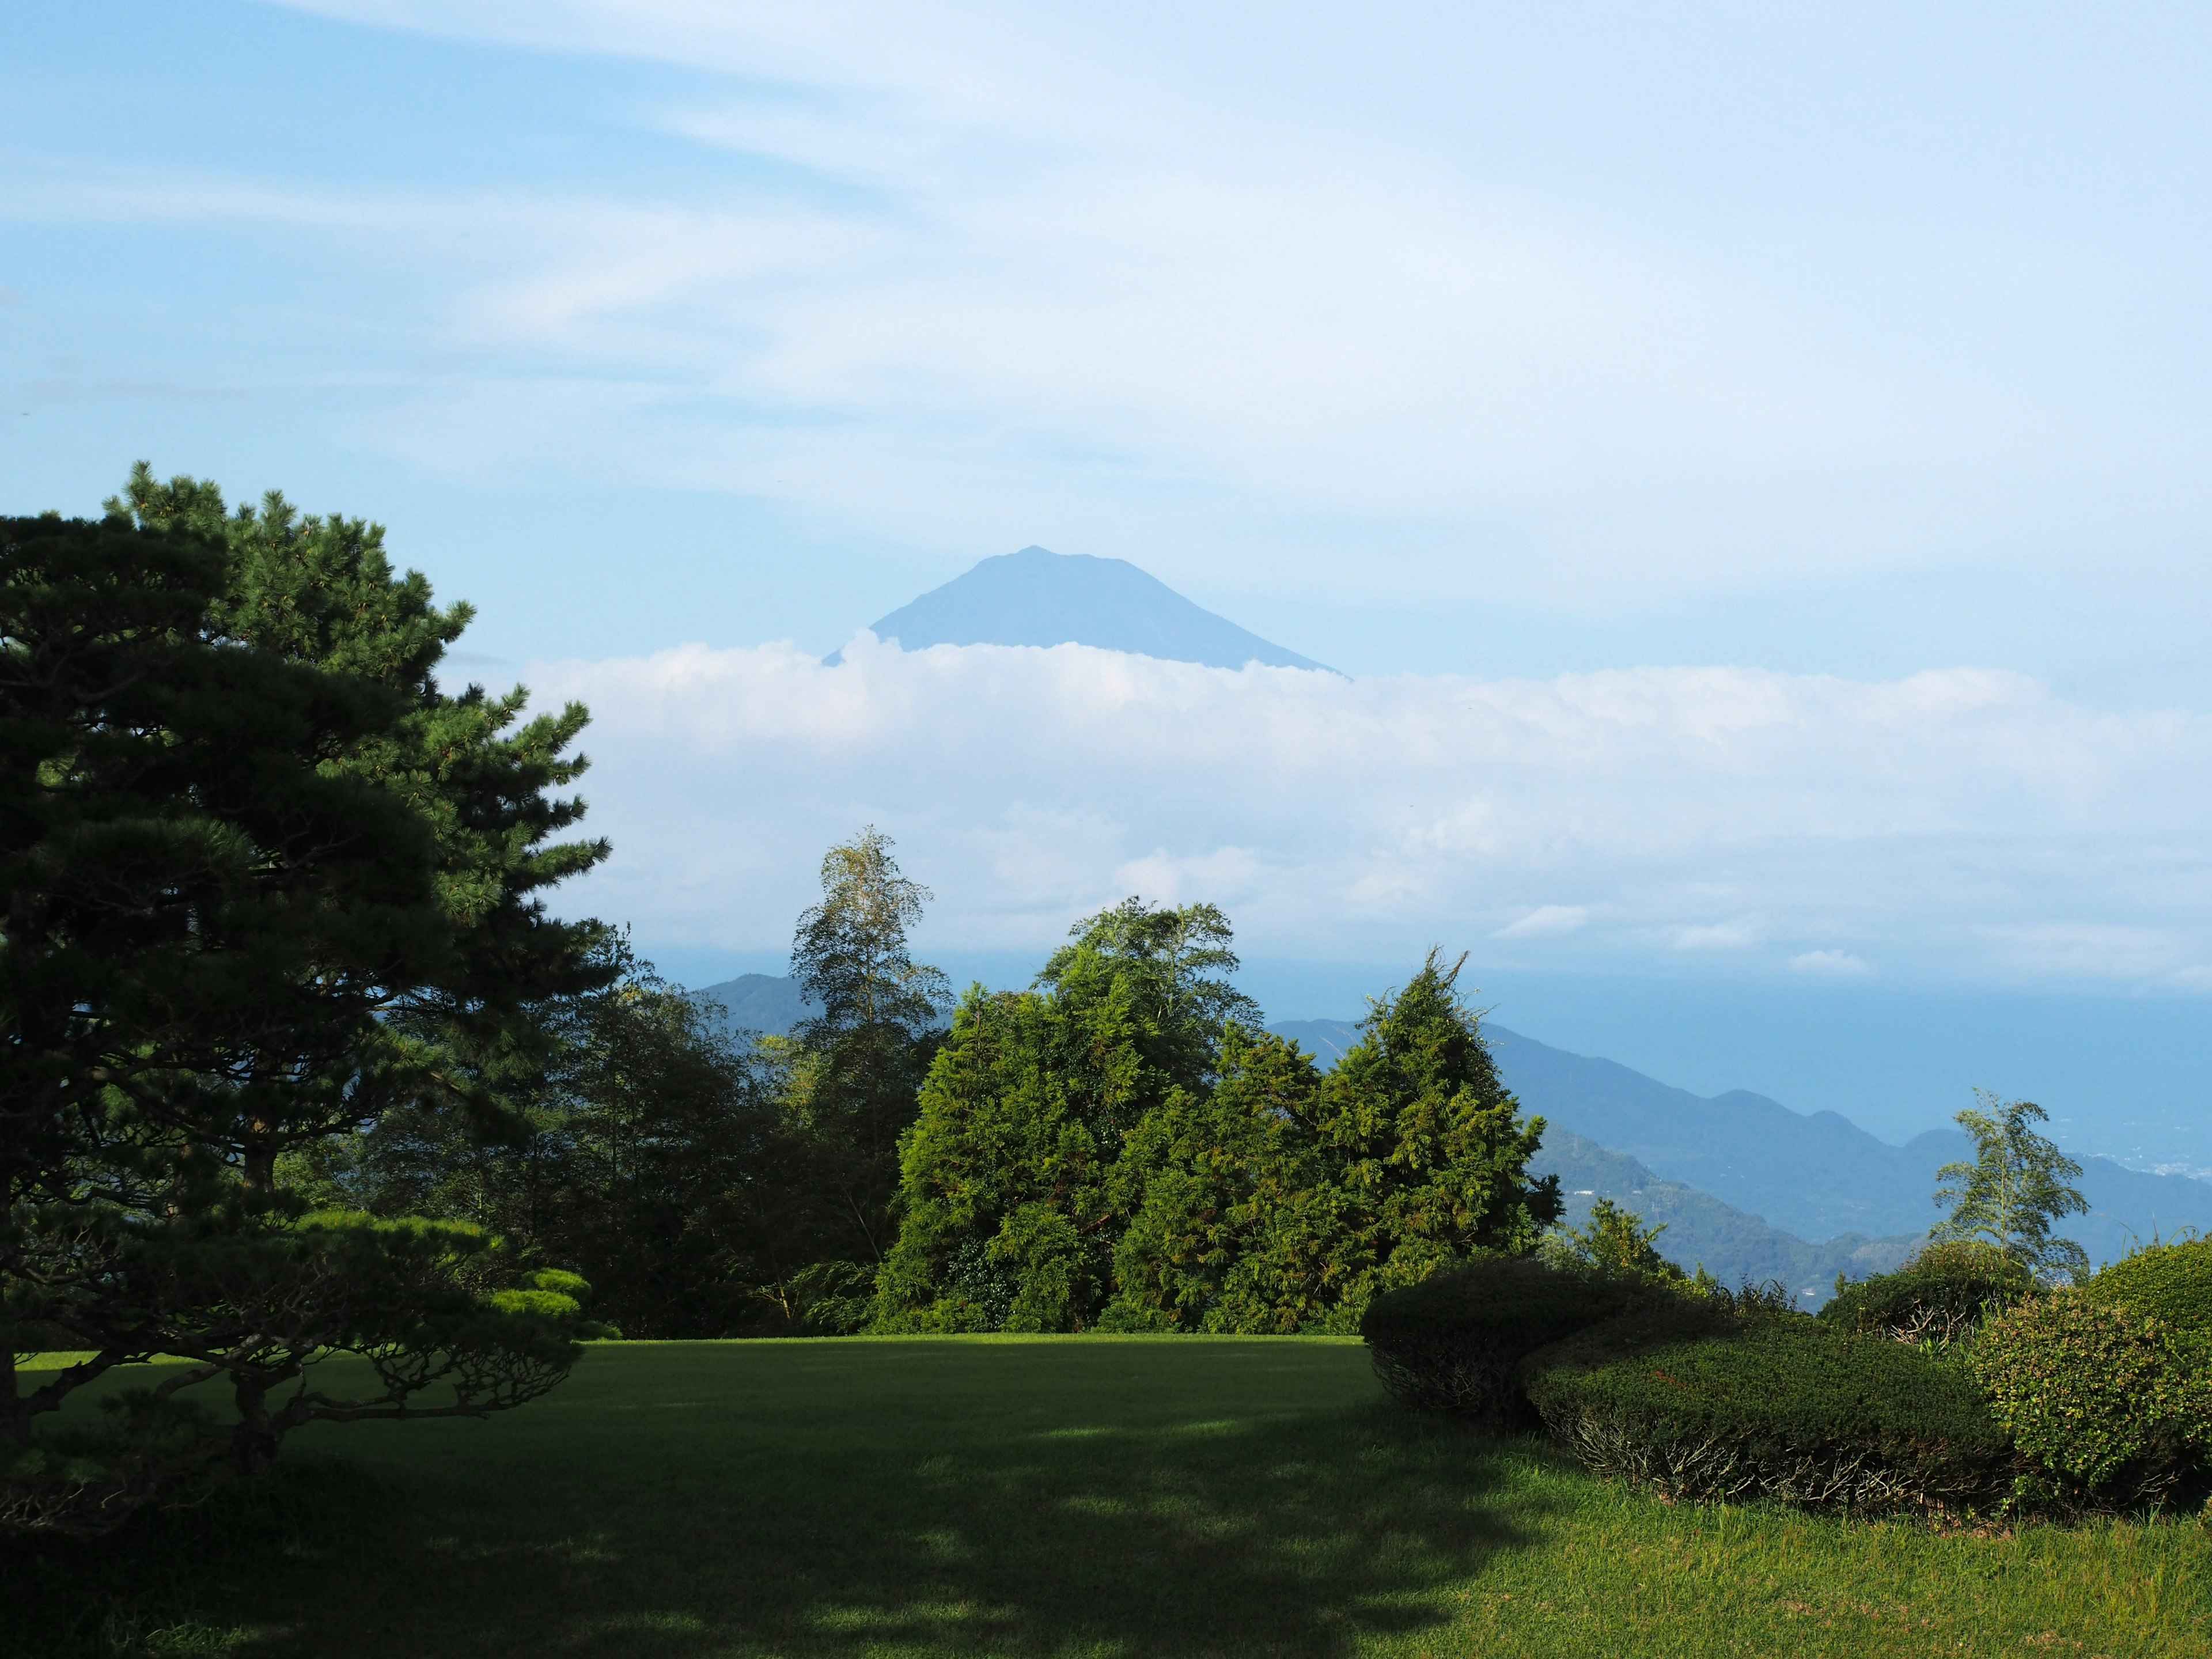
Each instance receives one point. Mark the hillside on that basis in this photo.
(1703, 1232)
(1037, 597)
(1815, 1177)
(767, 1003)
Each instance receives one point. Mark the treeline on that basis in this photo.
(1121, 1146)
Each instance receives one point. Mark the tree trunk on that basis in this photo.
(15, 1418)
(253, 1443)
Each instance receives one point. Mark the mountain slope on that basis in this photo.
(1816, 1177)
(1701, 1231)
(1037, 597)
(767, 1003)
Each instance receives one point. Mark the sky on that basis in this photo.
(1749, 461)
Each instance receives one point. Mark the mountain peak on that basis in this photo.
(1038, 597)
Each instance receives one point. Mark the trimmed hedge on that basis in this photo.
(1791, 1410)
(2170, 1283)
(1942, 1295)
(1451, 1342)
(2110, 1410)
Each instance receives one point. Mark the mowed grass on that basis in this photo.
(1065, 1497)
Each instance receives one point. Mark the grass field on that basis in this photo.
(1066, 1496)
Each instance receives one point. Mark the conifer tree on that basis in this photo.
(264, 880)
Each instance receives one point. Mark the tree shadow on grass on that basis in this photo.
(1275, 1533)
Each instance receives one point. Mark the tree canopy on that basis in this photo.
(2014, 1189)
(264, 880)
(1117, 1149)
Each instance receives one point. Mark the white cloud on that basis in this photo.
(1544, 919)
(1835, 964)
(1958, 823)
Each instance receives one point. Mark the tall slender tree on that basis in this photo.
(2014, 1190)
(868, 1047)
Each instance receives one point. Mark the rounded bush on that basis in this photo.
(1451, 1342)
(1791, 1410)
(2105, 1407)
(1941, 1294)
(2170, 1283)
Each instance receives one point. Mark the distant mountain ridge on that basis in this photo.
(769, 1004)
(1037, 597)
(1701, 1231)
(1813, 1177)
(1745, 1186)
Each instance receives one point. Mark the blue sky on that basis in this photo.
(1751, 458)
(1450, 338)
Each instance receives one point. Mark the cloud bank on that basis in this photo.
(1961, 823)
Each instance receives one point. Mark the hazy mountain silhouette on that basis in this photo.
(1745, 1185)
(1701, 1231)
(767, 1003)
(1813, 1177)
(1037, 597)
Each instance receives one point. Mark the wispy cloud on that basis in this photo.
(1830, 964)
(1545, 919)
(1958, 823)
(1006, 269)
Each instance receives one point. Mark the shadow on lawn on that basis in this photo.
(1286, 1536)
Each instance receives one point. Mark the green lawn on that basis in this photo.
(1069, 1496)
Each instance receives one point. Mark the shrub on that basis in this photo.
(2104, 1406)
(1658, 1322)
(1940, 1296)
(2170, 1283)
(1790, 1410)
(1451, 1342)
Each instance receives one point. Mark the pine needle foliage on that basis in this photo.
(264, 880)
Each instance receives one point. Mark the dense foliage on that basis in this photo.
(2108, 1408)
(264, 880)
(2171, 1283)
(2014, 1190)
(1788, 1409)
(1942, 1295)
(1454, 1342)
(706, 1186)
(1959, 1384)
(653, 1158)
(1120, 1149)
(852, 1081)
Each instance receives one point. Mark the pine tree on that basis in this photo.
(264, 880)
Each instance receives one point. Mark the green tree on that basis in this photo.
(264, 880)
(1617, 1239)
(656, 1160)
(1009, 1201)
(2014, 1190)
(867, 1049)
(1405, 1157)
(1094, 1153)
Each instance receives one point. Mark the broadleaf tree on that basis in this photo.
(2014, 1190)
(862, 1056)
